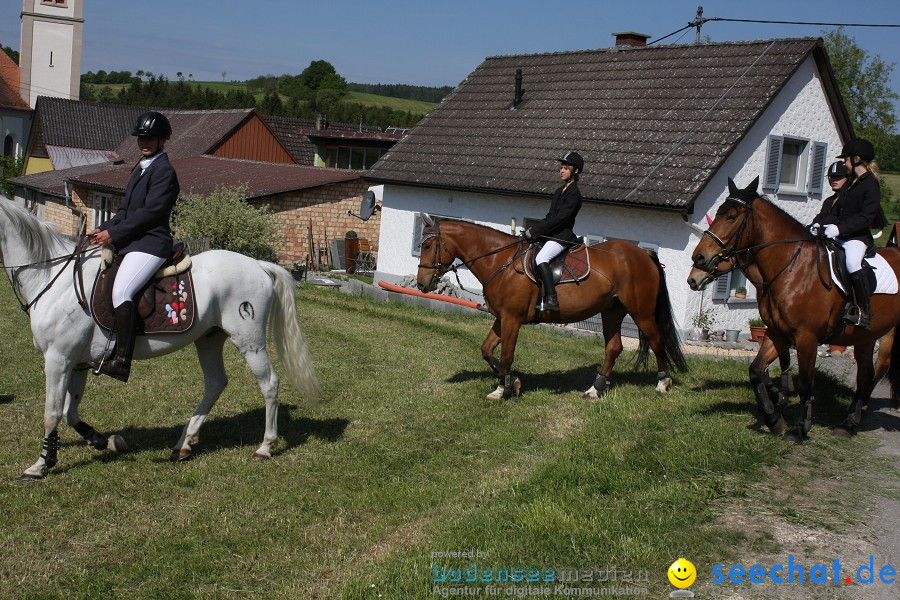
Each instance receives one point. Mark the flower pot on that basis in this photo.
(731, 335)
(757, 333)
(739, 295)
(837, 348)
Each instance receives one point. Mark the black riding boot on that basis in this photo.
(119, 366)
(551, 302)
(860, 283)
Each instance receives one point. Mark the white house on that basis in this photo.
(661, 129)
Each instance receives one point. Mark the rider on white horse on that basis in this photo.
(140, 232)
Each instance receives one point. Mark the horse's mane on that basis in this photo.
(38, 239)
(732, 203)
(479, 225)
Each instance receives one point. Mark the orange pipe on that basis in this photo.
(402, 290)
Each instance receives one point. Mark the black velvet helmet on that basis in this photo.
(837, 170)
(574, 159)
(858, 147)
(152, 124)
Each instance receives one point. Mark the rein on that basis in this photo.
(80, 247)
(439, 267)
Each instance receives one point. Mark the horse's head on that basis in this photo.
(698, 279)
(434, 259)
(728, 233)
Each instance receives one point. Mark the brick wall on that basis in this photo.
(326, 209)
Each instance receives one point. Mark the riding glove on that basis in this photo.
(814, 229)
(527, 234)
(831, 231)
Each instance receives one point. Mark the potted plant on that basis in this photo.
(757, 329)
(702, 321)
(740, 292)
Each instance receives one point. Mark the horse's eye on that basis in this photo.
(732, 217)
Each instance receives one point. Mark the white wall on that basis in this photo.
(15, 123)
(800, 110)
(56, 80)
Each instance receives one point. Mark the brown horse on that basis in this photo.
(624, 279)
(698, 280)
(800, 304)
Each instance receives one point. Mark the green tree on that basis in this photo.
(10, 167)
(864, 81)
(313, 75)
(228, 221)
(10, 53)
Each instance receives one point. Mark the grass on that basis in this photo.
(403, 459)
(416, 107)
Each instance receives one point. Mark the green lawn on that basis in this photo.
(404, 459)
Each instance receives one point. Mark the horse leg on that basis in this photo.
(490, 344)
(96, 440)
(57, 373)
(865, 384)
(209, 352)
(257, 358)
(650, 329)
(762, 385)
(787, 382)
(612, 337)
(806, 363)
(509, 384)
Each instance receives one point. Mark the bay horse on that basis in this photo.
(800, 304)
(624, 279)
(236, 297)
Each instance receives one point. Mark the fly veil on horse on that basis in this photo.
(804, 305)
(623, 279)
(235, 297)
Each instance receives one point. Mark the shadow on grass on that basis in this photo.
(244, 429)
(573, 380)
(6, 398)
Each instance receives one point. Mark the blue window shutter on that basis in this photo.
(773, 163)
(817, 167)
(418, 225)
(723, 287)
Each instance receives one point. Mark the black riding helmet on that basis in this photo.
(837, 170)
(858, 147)
(152, 124)
(574, 159)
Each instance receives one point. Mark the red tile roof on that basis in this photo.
(9, 84)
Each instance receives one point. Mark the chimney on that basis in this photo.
(518, 97)
(631, 38)
(321, 121)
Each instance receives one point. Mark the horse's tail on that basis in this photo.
(289, 338)
(894, 368)
(666, 323)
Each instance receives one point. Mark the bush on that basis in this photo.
(228, 221)
(703, 319)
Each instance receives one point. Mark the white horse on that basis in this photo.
(235, 297)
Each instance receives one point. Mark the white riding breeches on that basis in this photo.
(549, 251)
(854, 252)
(136, 270)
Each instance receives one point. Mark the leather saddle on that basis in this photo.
(840, 267)
(165, 305)
(570, 266)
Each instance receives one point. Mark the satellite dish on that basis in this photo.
(367, 207)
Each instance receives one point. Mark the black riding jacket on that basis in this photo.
(855, 209)
(559, 223)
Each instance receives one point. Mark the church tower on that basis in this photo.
(50, 52)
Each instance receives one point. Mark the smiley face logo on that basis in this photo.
(682, 573)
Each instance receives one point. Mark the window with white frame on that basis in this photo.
(730, 286)
(102, 206)
(418, 226)
(794, 165)
(352, 157)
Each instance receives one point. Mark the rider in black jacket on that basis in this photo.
(556, 228)
(849, 216)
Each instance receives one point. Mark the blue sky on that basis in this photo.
(417, 42)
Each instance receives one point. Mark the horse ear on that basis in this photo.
(732, 189)
(754, 185)
(426, 218)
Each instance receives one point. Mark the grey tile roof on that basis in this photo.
(77, 124)
(653, 123)
(295, 133)
(194, 132)
(53, 182)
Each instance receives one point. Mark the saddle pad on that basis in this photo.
(577, 265)
(163, 306)
(885, 278)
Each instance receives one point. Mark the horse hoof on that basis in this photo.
(841, 432)
(180, 455)
(260, 456)
(116, 443)
(496, 394)
(516, 387)
(778, 426)
(664, 385)
(793, 436)
(29, 477)
(590, 394)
